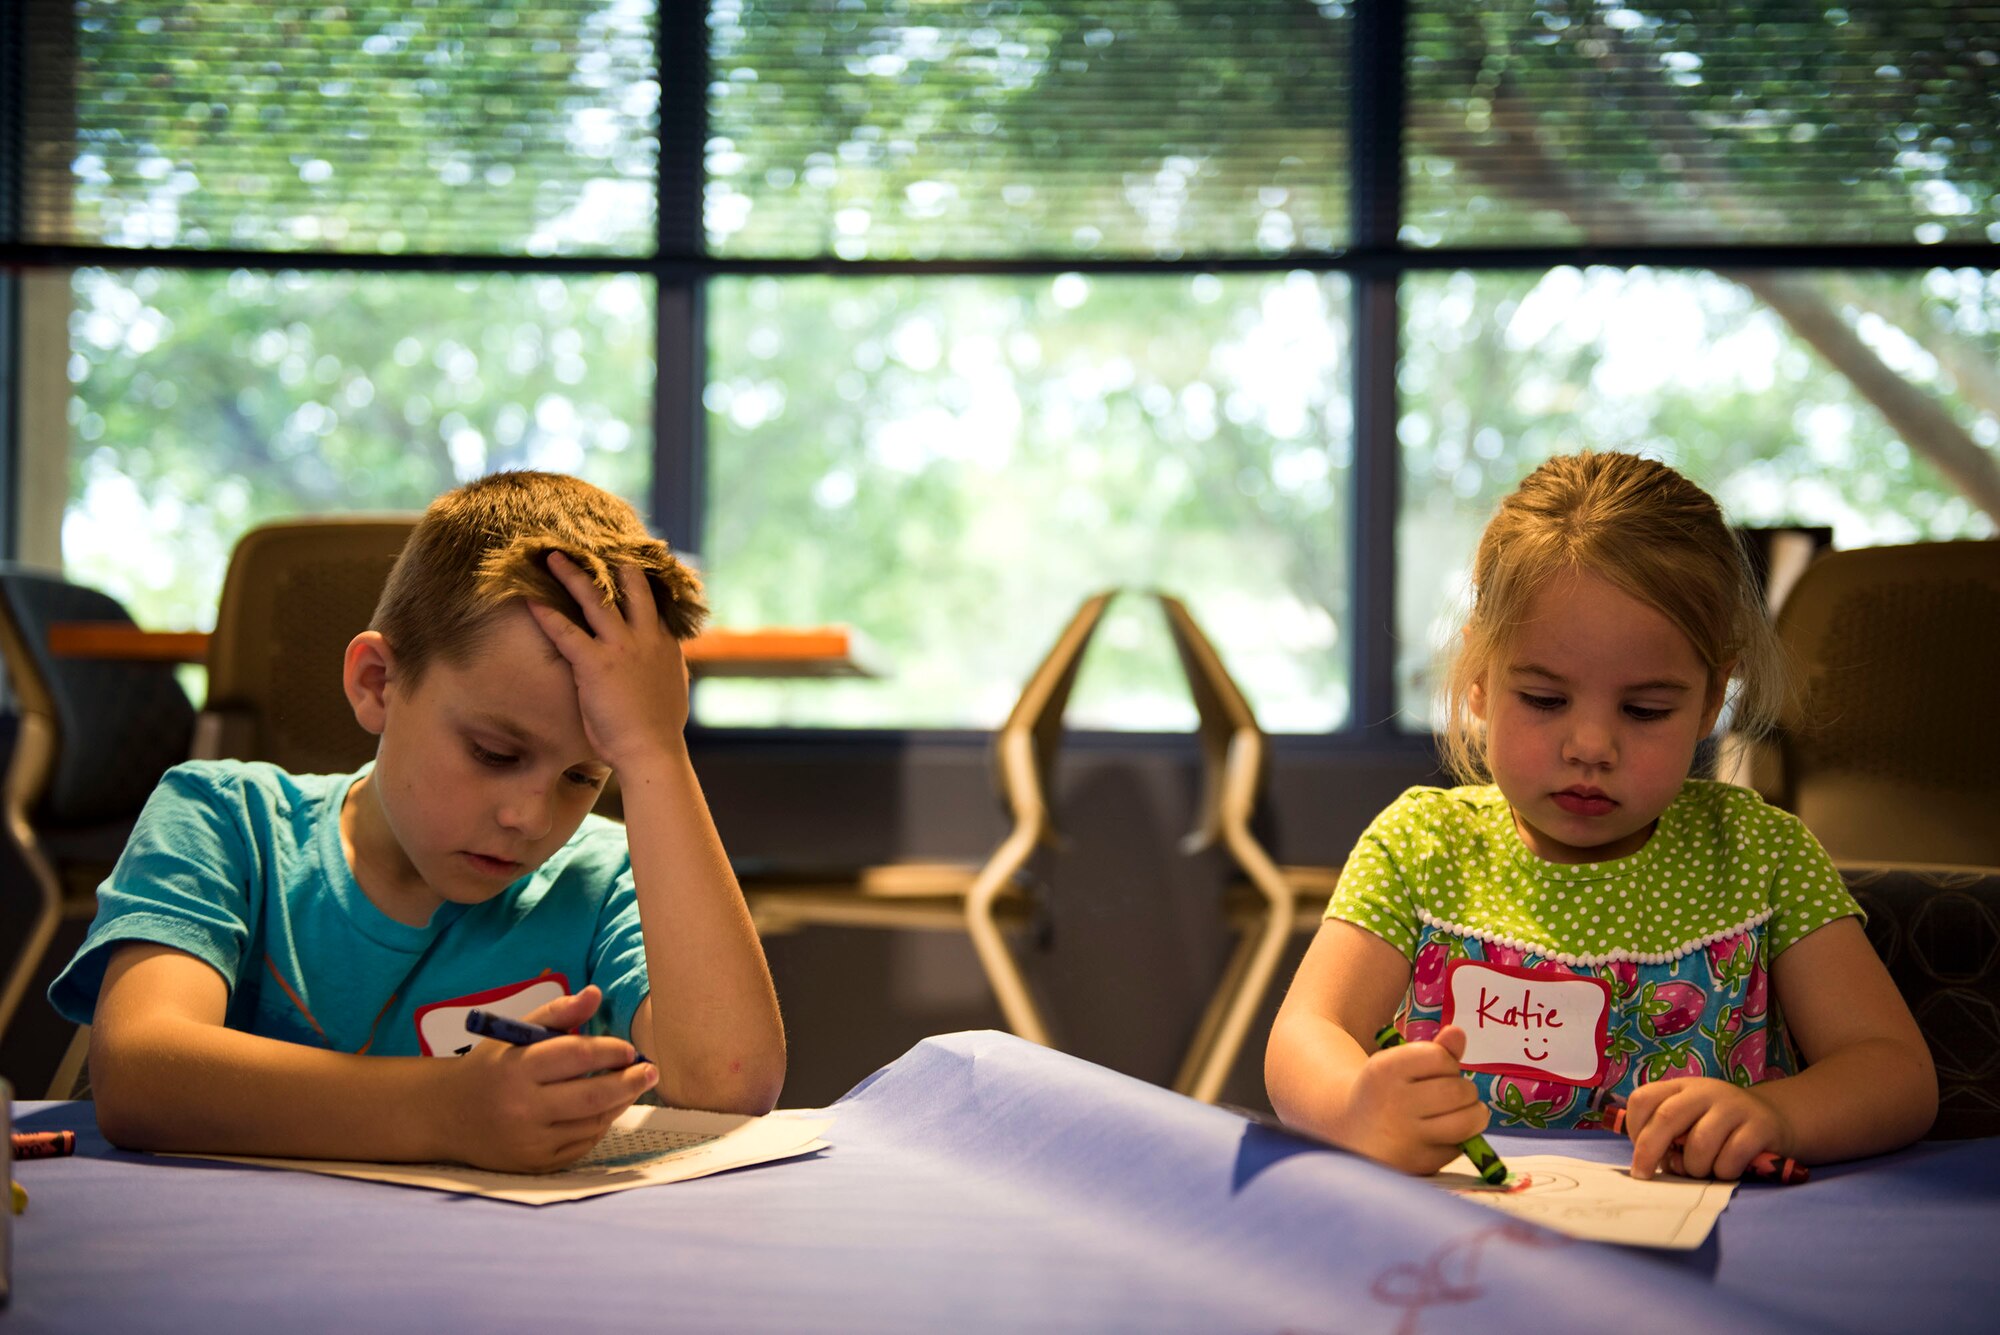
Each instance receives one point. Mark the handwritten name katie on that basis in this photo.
(1519, 1022)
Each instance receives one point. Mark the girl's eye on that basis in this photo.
(1541, 701)
(1646, 713)
(495, 759)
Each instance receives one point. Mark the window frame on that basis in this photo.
(1374, 262)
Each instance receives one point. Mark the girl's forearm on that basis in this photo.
(1868, 1098)
(716, 1031)
(1308, 1068)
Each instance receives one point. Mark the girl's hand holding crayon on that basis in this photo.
(535, 1108)
(1701, 1127)
(1412, 1108)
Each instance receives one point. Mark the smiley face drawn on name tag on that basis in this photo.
(1543, 1026)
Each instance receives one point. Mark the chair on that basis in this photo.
(981, 898)
(94, 737)
(295, 593)
(1892, 751)
(1937, 928)
(1270, 903)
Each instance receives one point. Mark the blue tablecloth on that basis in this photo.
(983, 1183)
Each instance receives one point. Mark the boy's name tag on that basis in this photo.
(441, 1025)
(1542, 1026)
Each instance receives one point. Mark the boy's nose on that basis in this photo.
(527, 811)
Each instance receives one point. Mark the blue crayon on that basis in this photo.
(1491, 1170)
(518, 1032)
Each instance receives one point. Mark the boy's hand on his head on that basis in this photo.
(1700, 1127)
(631, 679)
(1411, 1107)
(537, 1107)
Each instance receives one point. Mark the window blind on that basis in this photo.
(1007, 129)
(1713, 122)
(501, 126)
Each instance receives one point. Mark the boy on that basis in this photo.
(275, 956)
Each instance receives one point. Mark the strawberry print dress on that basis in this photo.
(1578, 983)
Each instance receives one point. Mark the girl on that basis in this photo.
(1593, 924)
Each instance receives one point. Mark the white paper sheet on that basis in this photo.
(1598, 1202)
(645, 1147)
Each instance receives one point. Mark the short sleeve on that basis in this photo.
(1807, 893)
(182, 881)
(1374, 892)
(618, 956)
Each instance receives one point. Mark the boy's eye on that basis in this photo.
(1534, 701)
(493, 758)
(585, 780)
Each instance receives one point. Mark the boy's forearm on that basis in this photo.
(177, 1085)
(716, 1032)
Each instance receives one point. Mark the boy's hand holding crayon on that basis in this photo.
(535, 1108)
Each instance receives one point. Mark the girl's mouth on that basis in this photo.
(1584, 802)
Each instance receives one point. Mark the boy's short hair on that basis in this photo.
(486, 543)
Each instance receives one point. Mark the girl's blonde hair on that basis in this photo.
(485, 544)
(1642, 527)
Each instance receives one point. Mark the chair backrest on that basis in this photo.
(96, 734)
(1232, 744)
(295, 593)
(1937, 930)
(1027, 744)
(1893, 750)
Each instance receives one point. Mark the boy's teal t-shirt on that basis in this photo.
(240, 865)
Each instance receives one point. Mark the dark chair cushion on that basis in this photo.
(1938, 931)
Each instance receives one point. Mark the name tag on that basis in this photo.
(441, 1025)
(1544, 1026)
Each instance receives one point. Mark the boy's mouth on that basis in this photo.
(1582, 801)
(493, 866)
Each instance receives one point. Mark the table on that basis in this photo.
(778, 651)
(982, 1183)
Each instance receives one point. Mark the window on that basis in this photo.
(932, 318)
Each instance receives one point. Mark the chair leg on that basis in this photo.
(1003, 971)
(1233, 971)
(70, 1070)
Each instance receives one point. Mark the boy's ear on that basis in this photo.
(364, 674)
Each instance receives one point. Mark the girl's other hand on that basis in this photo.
(1700, 1127)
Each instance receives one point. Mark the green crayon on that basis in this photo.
(1491, 1170)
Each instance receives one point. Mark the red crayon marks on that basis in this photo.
(44, 1144)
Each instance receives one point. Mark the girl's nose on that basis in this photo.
(1589, 743)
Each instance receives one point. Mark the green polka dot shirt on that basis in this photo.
(1720, 860)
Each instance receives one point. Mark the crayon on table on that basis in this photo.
(44, 1144)
(1766, 1167)
(20, 1195)
(1491, 1170)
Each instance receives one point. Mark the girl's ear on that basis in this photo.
(1718, 691)
(1475, 698)
(364, 674)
